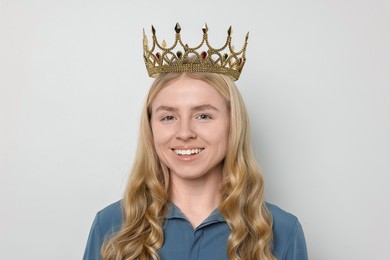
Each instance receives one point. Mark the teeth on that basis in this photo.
(188, 152)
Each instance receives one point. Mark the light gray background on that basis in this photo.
(316, 84)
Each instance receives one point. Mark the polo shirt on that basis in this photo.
(208, 241)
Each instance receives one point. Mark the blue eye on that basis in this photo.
(167, 118)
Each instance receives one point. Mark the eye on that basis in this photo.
(167, 118)
(203, 117)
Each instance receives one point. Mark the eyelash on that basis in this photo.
(204, 116)
(167, 118)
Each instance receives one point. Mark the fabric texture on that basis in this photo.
(208, 241)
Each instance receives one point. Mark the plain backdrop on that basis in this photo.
(316, 84)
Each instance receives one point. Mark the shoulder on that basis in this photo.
(110, 218)
(281, 219)
(289, 240)
(107, 221)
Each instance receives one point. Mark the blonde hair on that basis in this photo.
(147, 193)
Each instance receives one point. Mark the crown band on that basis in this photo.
(202, 58)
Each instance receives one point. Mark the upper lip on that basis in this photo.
(187, 147)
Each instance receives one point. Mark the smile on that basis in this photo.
(188, 152)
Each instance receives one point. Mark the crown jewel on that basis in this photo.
(202, 58)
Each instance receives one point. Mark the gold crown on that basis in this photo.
(202, 58)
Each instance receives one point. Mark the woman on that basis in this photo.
(195, 191)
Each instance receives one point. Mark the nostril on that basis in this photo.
(186, 133)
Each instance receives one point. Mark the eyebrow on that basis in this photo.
(195, 108)
(166, 108)
(204, 107)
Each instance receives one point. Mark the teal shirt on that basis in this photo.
(206, 242)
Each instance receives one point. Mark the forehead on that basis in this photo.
(187, 91)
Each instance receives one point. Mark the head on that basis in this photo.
(237, 128)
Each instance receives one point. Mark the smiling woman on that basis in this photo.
(190, 125)
(195, 190)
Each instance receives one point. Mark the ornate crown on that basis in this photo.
(202, 58)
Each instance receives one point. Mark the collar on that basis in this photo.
(175, 213)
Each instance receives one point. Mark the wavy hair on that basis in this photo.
(147, 193)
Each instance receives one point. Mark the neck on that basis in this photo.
(196, 198)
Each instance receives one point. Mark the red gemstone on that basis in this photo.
(239, 62)
(158, 55)
(203, 55)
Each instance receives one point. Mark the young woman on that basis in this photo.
(195, 190)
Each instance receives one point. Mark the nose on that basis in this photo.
(185, 130)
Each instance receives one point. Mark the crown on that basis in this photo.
(201, 58)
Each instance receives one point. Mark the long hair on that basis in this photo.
(147, 193)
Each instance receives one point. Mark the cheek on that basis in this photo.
(216, 138)
(156, 135)
(160, 134)
(219, 133)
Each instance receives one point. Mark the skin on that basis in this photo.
(190, 125)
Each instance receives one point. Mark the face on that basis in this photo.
(190, 125)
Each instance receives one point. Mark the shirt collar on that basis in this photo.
(175, 212)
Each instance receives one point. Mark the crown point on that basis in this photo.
(177, 28)
(145, 40)
(247, 36)
(230, 31)
(205, 28)
(153, 30)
